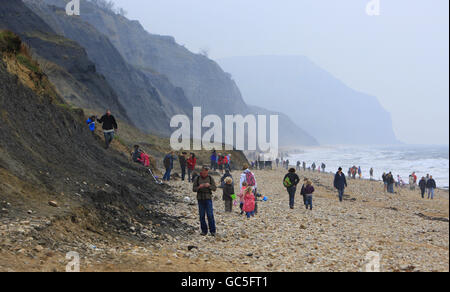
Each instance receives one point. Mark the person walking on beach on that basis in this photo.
(249, 177)
(423, 186)
(168, 165)
(390, 182)
(109, 127)
(323, 167)
(204, 185)
(183, 164)
(431, 185)
(371, 173)
(313, 167)
(249, 202)
(360, 172)
(278, 162)
(228, 192)
(307, 191)
(384, 177)
(214, 160)
(340, 183)
(304, 166)
(298, 165)
(287, 164)
(290, 182)
(191, 162)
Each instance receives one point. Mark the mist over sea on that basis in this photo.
(401, 160)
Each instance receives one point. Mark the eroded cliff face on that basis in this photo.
(149, 101)
(65, 62)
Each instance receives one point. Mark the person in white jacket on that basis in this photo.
(249, 177)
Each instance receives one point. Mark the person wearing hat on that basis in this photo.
(204, 186)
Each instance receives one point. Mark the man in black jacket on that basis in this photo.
(340, 183)
(183, 165)
(291, 181)
(109, 127)
(423, 186)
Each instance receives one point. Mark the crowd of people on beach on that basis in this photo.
(247, 196)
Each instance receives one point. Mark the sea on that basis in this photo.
(400, 160)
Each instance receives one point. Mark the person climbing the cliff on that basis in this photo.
(168, 165)
(109, 127)
(204, 186)
(183, 164)
(340, 183)
(191, 163)
(139, 156)
(290, 182)
(91, 123)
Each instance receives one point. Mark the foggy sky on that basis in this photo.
(401, 56)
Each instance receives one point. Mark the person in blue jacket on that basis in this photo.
(340, 183)
(91, 123)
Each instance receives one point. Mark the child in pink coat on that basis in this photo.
(249, 202)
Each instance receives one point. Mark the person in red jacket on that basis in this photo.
(191, 162)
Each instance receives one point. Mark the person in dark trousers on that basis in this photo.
(228, 192)
(168, 165)
(191, 162)
(109, 127)
(431, 186)
(183, 164)
(340, 183)
(204, 186)
(390, 182)
(423, 186)
(307, 192)
(290, 181)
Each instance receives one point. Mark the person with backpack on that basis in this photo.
(249, 177)
(109, 127)
(191, 162)
(340, 183)
(307, 192)
(204, 185)
(228, 192)
(423, 186)
(290, 182)
(431, 185)
(183, 164)
(168, 165)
